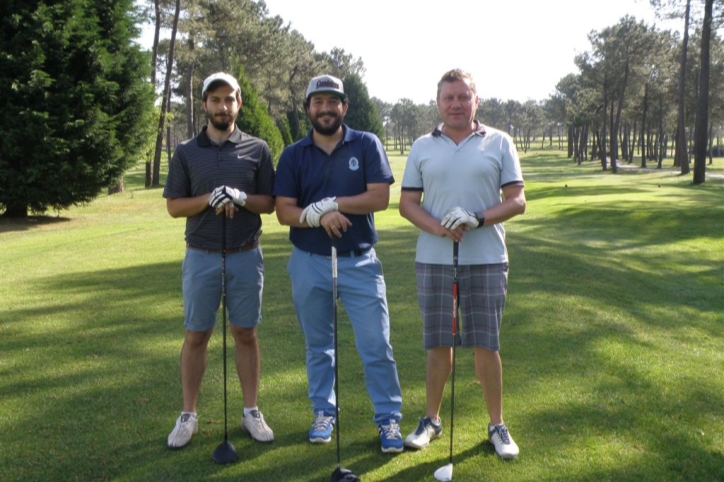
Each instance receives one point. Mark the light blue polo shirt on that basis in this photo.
(308, 174)
(470, 175)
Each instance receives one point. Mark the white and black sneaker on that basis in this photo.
(254, 423)
(426, 431)
(186, 426)
(505, 446)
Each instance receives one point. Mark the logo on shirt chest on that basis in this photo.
(353, 164)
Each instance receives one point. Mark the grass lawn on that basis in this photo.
(611, 343)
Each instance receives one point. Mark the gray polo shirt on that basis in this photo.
(470, 175)
(199, 166)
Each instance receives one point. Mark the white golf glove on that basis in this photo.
(457, 216)
(223, 194)
(313, 213)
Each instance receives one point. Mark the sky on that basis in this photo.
(514, 49)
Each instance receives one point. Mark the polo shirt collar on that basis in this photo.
(479, 131)
(235, 137)
(348, 135)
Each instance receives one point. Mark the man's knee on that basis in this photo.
(197, 339)
(244, 336)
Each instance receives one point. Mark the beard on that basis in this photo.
(221, 122)
(331, 128)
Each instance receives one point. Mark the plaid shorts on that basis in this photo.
(482, 290)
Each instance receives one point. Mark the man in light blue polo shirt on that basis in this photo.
(328, 185)
(451, 190)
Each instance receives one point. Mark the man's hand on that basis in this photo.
(457, 216)
(313, 213)
(223, 194)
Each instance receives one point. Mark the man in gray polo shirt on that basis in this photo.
(462, 168)
(221, 172)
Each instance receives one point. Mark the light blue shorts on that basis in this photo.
(201, 280)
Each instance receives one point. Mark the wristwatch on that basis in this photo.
(480, 219)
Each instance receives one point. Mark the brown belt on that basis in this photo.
(246, 247)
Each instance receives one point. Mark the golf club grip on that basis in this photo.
(455, 293)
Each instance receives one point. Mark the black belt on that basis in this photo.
(353, 253)
(246, 247)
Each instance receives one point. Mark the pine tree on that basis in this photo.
(74, 101)
(254, 119)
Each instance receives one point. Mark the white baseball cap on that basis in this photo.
(326, 83)
(220, 77)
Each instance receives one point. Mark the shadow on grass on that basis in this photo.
(8, 225)
(584, 298)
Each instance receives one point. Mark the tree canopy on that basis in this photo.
(75, 101)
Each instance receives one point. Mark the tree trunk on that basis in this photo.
(702, 105)
(119, 187)
(604, 120)
(154, 62)
(643, 126)
(166, 99)
(190, 131)
(571, 140)
(15, 211)
(711, 143)
(616, 121)
(681, 157)
(663, 138)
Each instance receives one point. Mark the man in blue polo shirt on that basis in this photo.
(221, 172)
(328, 185)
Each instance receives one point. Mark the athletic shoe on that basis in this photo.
(254, 423)
(321, 431)
(186, 426)
(391, 437)
(426, 431)
(504, 444)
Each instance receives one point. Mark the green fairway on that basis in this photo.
(611, 343)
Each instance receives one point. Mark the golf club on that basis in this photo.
(339, 474)
(225, 452)
(446, 472)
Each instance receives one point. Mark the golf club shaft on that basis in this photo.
(336, 358)
(455, 294)
(223, 308)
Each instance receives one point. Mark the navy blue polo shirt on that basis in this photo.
(308, 174)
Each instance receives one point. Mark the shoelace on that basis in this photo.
(422, 427)
(391, 431)
(257, 418)
(321, 422)
(503, 433)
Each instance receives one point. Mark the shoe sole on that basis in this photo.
(413, 445)
(503, 456)
(256, 439)
(320, 440)
(177, 447)
(392, 450)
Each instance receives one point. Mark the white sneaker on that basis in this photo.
(186, 426)
(256, 426)
(505, 446)
(426, 431)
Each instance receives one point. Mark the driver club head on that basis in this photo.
(343, 475)
(444, 473)
(225, 453)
